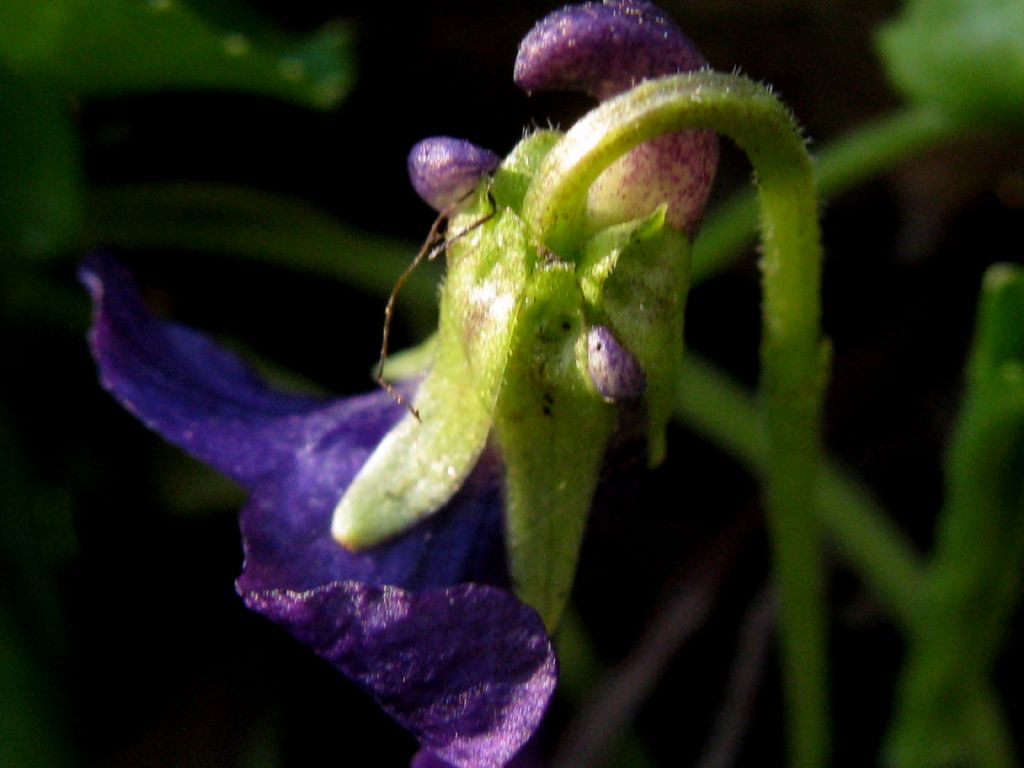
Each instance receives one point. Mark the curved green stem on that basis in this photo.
(867, 152)
(792, 359)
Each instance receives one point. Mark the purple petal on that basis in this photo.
(468, 670)
(286, 527)
(179, 383)
(444, 170)
(604, 49)
(616, 374)
(296, 454)
(529, 756)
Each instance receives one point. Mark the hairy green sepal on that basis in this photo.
(509, 364)
(422, 462)
(635, 277)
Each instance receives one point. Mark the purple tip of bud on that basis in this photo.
(443, 170)
(603, 49)
(614, 371)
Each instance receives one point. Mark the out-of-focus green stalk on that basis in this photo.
(723, 412)
(261, 226)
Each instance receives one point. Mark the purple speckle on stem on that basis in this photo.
(616, 374)
(443, 170)
(603, 49)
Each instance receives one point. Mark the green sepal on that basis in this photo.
(635, 278)
(552, 429)
(411, 362)
(513, 176)
(423, 461)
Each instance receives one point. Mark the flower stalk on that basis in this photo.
(793, 355)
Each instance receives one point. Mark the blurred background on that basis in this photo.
(276, 217)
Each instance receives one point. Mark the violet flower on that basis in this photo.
(425, 622)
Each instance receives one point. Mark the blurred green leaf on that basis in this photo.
(40, 180)
(36, 541)
(999, 343)
(264, 227)
(109, 47)
(975, 577)
(965, 56)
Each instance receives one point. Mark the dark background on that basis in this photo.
(157, 663)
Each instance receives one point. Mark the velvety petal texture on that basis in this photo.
(422, 623)
(529, 756)
(603, 49)
(448, 664)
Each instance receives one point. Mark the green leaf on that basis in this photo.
(965, 56)
(423, 461)
(976, 575)
(40, 178)
(110, 47)
(516, 171)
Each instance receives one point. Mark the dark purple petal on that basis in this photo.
(443, 170)
(529, 756)
(286, 527)
(468, 669)
(296, 454)
(604, 49)
(616, 374)
(197, 395)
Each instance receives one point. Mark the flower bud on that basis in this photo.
(444, 170)
(615, 373)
